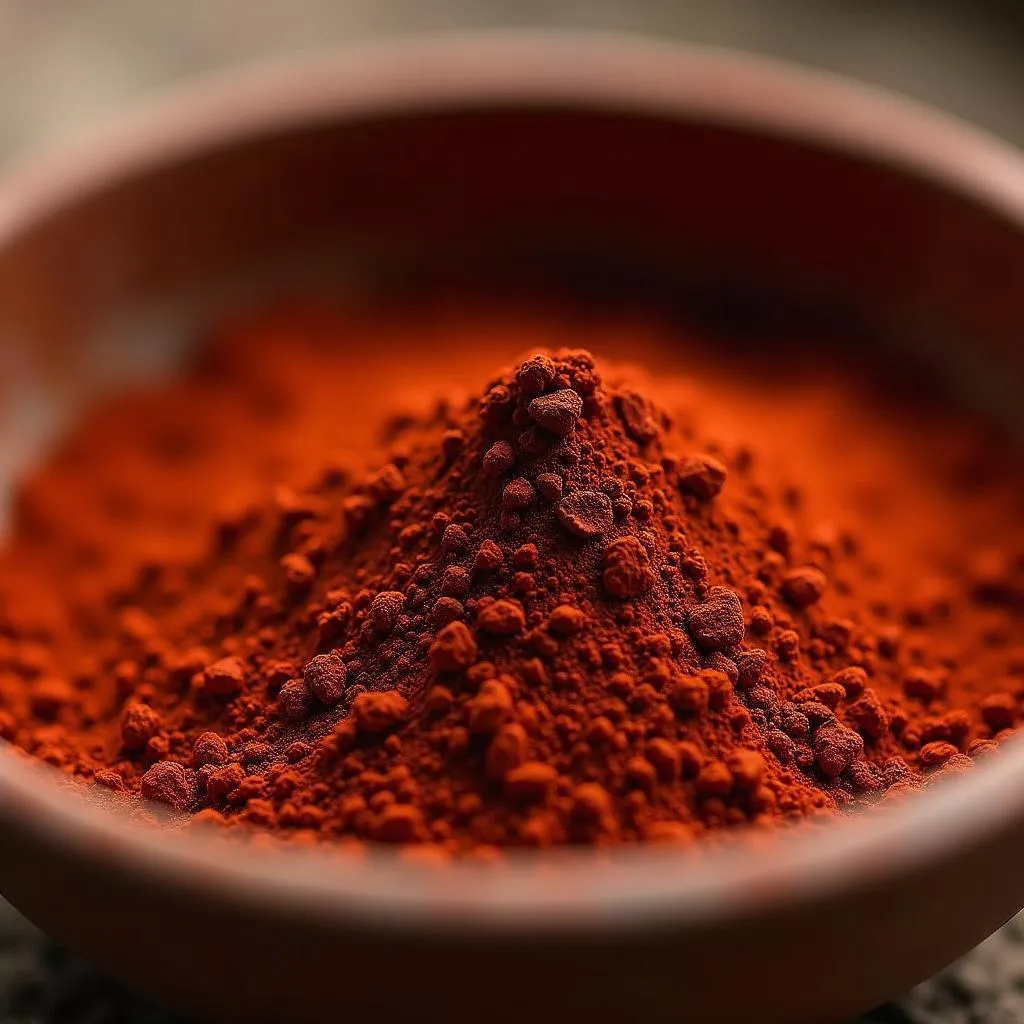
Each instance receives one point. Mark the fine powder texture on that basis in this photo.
(548, 613)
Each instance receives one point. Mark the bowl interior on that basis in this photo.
(735, 223)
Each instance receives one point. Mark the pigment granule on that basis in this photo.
(549, 613)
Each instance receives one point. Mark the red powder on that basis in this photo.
(581, 605)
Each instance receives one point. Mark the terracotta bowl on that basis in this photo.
(597, 163)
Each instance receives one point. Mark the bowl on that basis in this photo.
(599, 164)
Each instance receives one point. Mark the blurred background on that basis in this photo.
(65, 64)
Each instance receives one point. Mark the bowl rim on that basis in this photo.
(640, 887)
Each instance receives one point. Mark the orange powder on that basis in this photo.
(308, 587)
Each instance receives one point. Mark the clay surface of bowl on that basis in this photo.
(587, 160)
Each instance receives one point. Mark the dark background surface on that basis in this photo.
(64, 64)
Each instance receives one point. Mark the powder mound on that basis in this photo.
(545, 619)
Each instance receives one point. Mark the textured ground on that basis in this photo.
(64, 63)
